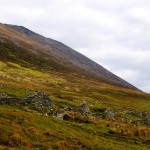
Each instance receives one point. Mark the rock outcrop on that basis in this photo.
(38, 101)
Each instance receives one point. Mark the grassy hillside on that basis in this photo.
(116, 117)
(25, 130)
(31, 130)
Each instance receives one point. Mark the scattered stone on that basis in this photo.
(40, 102)
(146, 121)
(84, 108)
(144, 114)
(60, 116)
(108, 115)
(36, 101)
(5, 99)
(134, 113)
(127, 120)
(4, 95)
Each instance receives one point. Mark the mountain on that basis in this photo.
(52, 54)
(52, 97)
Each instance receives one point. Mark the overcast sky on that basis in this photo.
(114, 33)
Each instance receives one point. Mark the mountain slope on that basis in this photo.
(55, 55)
(52, 97)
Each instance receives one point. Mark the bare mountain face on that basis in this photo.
(27, 46)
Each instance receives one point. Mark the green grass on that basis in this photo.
(69, 90)
(21, 74)
(25, 130)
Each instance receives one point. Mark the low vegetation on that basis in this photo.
(86, 113)
(25, 130)
(22, 129)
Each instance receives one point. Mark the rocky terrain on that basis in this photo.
(41, 103)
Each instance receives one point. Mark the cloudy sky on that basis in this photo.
(114, 33)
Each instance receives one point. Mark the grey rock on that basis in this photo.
(84, 108)
(5, 99)
(146, 121)
(4, 95)
(134, 113)
(144, 114)
(108, 115)
(139, 114)
(37, 101)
